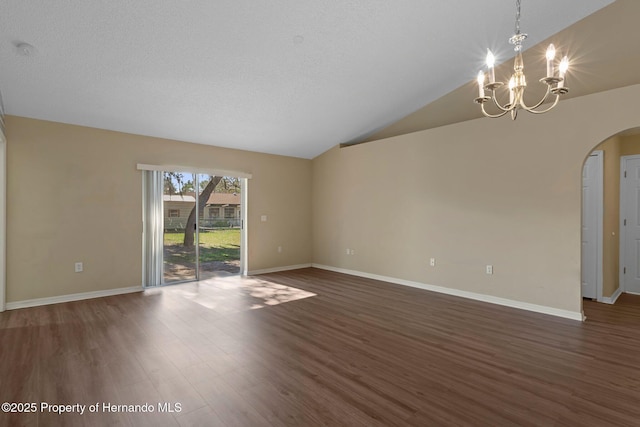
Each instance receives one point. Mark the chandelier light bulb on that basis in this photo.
(551, 52)
(551, 55)
(491, 62)
(564, 66)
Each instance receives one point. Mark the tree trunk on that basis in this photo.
(189, 230)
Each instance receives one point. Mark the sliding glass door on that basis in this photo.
(193, 226)
(179, 209)
(220, 226)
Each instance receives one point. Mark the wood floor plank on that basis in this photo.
(312, 347)
(203, 417)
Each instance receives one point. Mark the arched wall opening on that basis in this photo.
(603, 257)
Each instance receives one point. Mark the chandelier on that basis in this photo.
(517, 83)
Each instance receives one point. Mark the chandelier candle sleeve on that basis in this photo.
(480, 84)
(512, 86)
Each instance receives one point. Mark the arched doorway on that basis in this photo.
(609, 256)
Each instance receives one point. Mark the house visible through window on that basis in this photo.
(229, 212)
(174, 213)
(214, 212)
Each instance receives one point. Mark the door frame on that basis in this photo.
(244, 198)
(599, 189)
(624, 205)
(3, 219)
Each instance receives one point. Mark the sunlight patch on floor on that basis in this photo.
(236, 293)
(273, 293)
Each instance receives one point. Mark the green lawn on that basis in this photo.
(217, 245)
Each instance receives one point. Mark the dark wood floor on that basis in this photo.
(312, 347)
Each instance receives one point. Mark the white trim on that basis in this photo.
(573, 315)
(599, 222)
(3, 220)
(277, 269)
(612, 299)
(72, 297)
(191, 169)
(244, 232)
(599, 196)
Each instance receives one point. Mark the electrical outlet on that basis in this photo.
(353, 252)
(432, 262)
(79, 267)
(489, 269)
(279, 249)
(348, 251)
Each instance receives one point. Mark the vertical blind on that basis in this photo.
(152, 225)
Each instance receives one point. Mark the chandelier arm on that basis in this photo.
(544, 98)
(493, 116)
(500, 107)
(546, 109)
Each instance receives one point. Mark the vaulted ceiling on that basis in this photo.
(605, 55)
(289, 77)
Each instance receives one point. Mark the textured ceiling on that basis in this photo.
(290, 77)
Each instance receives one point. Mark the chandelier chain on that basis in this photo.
(518, 16)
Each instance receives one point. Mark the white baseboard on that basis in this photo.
(277, 269)
(71, 297)
(612, 299)
(463, 294)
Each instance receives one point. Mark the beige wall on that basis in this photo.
(74, 194)
(629, 145)
(500, 192)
